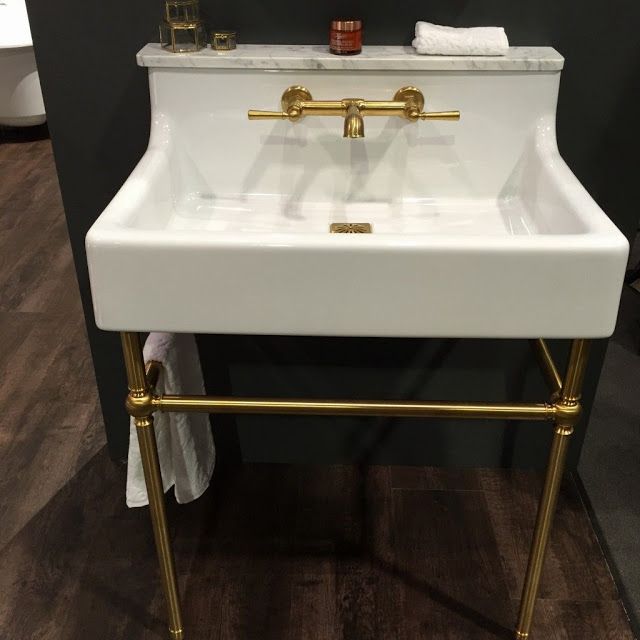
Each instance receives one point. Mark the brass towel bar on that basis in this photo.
(398, 408)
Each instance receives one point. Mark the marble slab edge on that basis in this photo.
(373, 58)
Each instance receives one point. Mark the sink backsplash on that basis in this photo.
(218, 153)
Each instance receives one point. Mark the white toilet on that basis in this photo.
(21, 102)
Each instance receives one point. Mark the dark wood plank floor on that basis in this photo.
(271, 551)
(50, 423)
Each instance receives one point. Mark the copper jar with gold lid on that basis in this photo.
(345, 38)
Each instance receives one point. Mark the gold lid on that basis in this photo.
(346, 25)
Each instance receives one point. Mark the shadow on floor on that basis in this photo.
(610, 463)
(281, 551)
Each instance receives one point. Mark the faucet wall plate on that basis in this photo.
(294, 94)
(412, 95)
(474, 222)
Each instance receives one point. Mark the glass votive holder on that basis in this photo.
(181, 10)
(223, 40)
(182, 37)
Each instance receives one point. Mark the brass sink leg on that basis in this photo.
(139, 405)
(564, 409)
(567, 415)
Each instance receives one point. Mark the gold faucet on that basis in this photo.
(408, 103)
(353, 122)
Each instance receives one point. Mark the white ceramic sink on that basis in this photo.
(478, 227)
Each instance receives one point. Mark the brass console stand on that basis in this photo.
(563, 409)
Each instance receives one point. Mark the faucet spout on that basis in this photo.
(353, 123)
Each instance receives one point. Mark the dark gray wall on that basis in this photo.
(97, 103)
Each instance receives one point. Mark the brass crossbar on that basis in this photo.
(547, 365)
(396, 408)
(211, 404)
(152, 371)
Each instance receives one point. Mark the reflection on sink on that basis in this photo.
(274, 214)
(478, 227)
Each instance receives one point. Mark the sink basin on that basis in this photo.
(478, 227)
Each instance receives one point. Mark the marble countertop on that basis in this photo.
(377, 58)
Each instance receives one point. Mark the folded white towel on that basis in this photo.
(185, 443)
(435, 39)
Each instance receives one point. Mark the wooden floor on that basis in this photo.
(49, 414)
(270, 551)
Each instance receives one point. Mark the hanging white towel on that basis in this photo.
(435, 39)
(185, 443)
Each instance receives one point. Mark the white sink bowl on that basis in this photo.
(479, 227)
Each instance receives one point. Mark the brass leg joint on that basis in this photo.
(567, 416)
(139, 404)
(521, 635)
(144, 422)
(564, 430)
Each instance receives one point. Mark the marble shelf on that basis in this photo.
(375, 58)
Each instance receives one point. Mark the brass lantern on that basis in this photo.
(181, 29)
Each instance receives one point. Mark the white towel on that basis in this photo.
(434, 39)
(185, 443)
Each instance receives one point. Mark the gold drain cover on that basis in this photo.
(350, 227)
